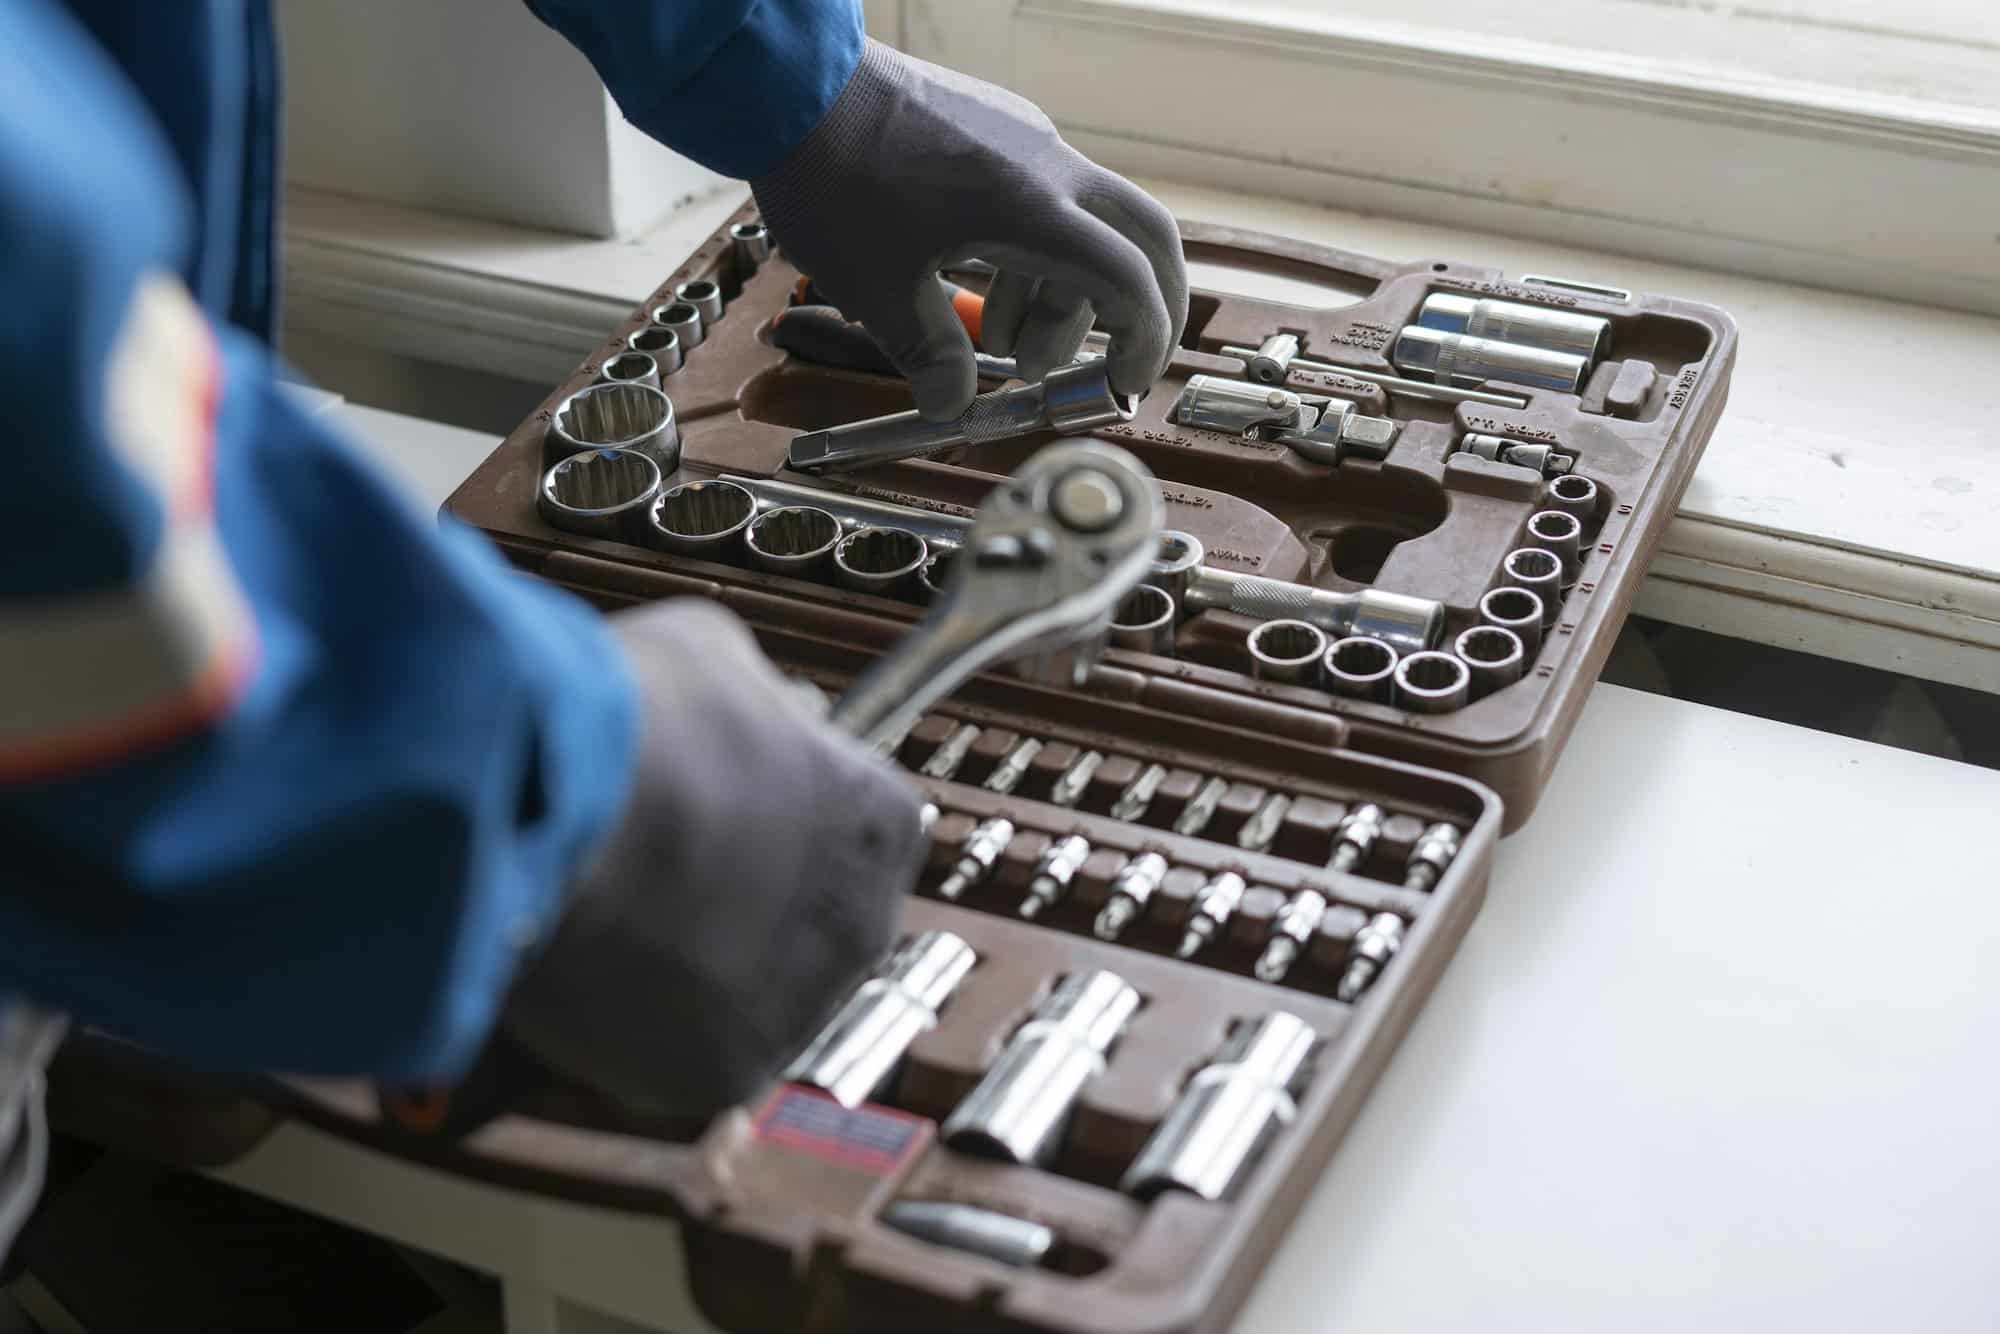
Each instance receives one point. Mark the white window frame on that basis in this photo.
(1868, 194)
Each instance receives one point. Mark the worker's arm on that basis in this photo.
(291, 779)
(874, 169)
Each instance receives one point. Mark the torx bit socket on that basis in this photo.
(1290, 934)
(1213, 904)
(1008, 774)
(1431, 857)
(975, 860)
(684, 320)
(1260, 831)
(946, 759)
(1355, 838)
(1374, 945)
(1058, 866)
(1017, 1112)
(1272, 361)
(1130, 892)
(1194, 817)
(1137, 796)
(1229, 1112)
(1069, 788)
(999, 1237)
(1518, 610)
(855, 1054)
(660, 343)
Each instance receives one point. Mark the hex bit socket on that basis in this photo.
(1056, 868)
(1214, 903)
(606, 493)
(1559, 533)
(982, 848)
(857, 1052)
(1131, 891)
(1374, 945)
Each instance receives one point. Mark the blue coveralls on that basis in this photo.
(288, 774)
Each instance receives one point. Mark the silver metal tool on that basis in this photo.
(1131, 890)
(797, 540)
(705, 519)
(982, 848)
(752, 243)
(1260, 831)
(1007, 775)
(856, 1053)
(1058, 866)
(1291, 932)
(1288, 652)
(1138, 794)
(1214, 904)
(882, 561)
(1177, 565)
(1461, 360)
(1144, 622)
(1407, 623)
(1052, 552)
(1374, 945)
(1432, 683)
(684, 320)
(1359, 667)
(927, 817)
(995, 1236)
(1355, 838)
(1545, 459)
(1319, 427)
(946, 759)
(1518, 610)
(1574, 493)
(1436, 848)
(615, 416)
(942, 532)
(1201, 808)
(660, 343)
(600, 493)
(1561, 533)
(1585, 336)
(1073, 399)
(1495, 658)
(1070, 787)
(1018, 1111)
(630, 367)
(1253, 357)
(1229, 1113)
(1540, 572)
(704, 296)
(935, 574)
(1272, 361)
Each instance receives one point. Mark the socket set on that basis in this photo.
(1180, 906)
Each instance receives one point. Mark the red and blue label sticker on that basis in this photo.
(876, 1140)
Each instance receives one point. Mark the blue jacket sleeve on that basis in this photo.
(288, 776)
(734, 84)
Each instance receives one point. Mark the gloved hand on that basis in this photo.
(915, 167)
(755, 878)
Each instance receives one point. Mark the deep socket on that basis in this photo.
(1058, 866)
(1287, 652)
(1229, 1113)
(975, 859)
(945, 760)
(705, 519)
(1374, 945)
(1575, 494)
(1495, 658)
(883, 561)
(1201, 807)
(601, 493)
(1179, 560)
(1432, 683)
(704, 296)
(1018, 1111)
(684, 320)
(1516, 609)
(1143, 622)
(1359, 667)
(792, 539)
(1131, 891)
(854, 1055)
(1213, 905)
(751, 241)
(1075, 780)
(630, 367)
(615, 416)
(1007, 775)
(1465, 362)
(1138, 794)
(1541, 573)
(999, 1237)
(660, 343)
(1561, 534)
(1584, 336)
(1431, 857)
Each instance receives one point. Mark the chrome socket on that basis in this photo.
(1229, 1113)
(684, 320)
(1178, 563)
(660, 343)
(1143, 621)
(1575, 494)
(1018, 1111)
(1541, 573)
(1432, 683)
(601, 493)
(704, 296)
(1360, 667)
(1464, 361)
(1561, 534)
(1517, 609)
(883, 561)
(1496, 658)
(1585, 336)
(793, 539)
(1273, 359)
(1131, 890)
(1287, 652)
(704, 519)
(631, 368)
(637, 417)
(752, 243)
(856, 1054)
(936, 575)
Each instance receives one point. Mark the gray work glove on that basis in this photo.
(756, 877)
(916, 167)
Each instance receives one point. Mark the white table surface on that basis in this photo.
(1719, 1053)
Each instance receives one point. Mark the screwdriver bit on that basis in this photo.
(944, 761)
(975, 859)
(1070, 787)
(1130, 893)
(1201, 807)
(1134, 800)
(1261, 830)
(1014, 768)
(1057, 867)
(1431, 857)
(1374, 945)
(1212, 906)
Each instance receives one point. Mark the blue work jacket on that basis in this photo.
(289, 774)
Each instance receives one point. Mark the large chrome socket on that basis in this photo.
(1143, 621)
(660, 343)
(637, 417)
(1230, 1112)
(1553, 330)
(704, 519)
(793, 539)
(1360, 667)
(1287, 651)
(883, 561)
(704, 296)
(856, 1054)
(1433, 683)
(1515, 609)
(1018, 1111)
(935, 577)
(1463, 361)
(1496, 658)
(685, 321)
(601, 493)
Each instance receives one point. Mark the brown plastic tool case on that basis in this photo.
(781, 1207)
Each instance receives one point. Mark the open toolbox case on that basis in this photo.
(781, 1200)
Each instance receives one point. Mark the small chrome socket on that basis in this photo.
(1575, 494)
(752, 243)
(615, 416)
(684, 320)
(1179, 559)
(631, 368)
(1518, 610)
(704, 519)
(660, 343)
(1360, 668)
(600, 493)
(1433, 682)
(704, 296)
(1541, 573)
(792, 539)
(1496, 658)
(1287, 651)
(883, 561)
(1143, 621)
(1561, 534)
